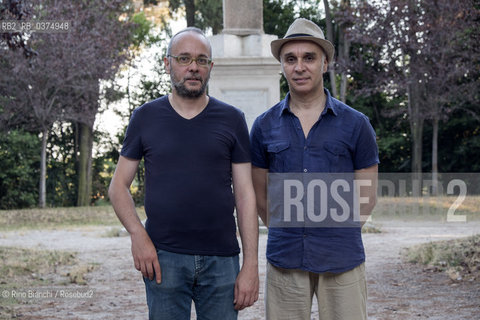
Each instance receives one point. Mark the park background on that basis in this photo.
(412, 66)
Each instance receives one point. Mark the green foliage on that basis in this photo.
(459, 136)
(391, 129)
(278, 15)
(141, 30)
(142, 33)
(152, 88)
(149, 2)
(174, 4)
(206, 13)
(209, 15)
(19, 174)
(61, 166)
(103, 169)
(459, 143)
(310, 9)
(394, 151)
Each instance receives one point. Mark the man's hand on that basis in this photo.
(143, 250)
(145, 256)
(246, 287)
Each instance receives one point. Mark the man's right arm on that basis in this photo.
(259, 177)
(143, 250)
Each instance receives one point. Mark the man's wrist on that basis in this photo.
(137, 230)
(250, 263)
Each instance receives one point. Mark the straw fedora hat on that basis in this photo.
(303, 29)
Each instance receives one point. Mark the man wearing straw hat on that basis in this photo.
(311, 132)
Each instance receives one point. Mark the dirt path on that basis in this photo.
(396, 290)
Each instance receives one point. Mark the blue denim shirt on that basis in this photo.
(341, 141)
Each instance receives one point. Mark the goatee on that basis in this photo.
(184, 92)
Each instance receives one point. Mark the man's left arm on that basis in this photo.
(246, 285)
(366, 180)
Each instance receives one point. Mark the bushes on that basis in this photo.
(19, 169)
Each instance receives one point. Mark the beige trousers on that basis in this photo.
(289, 293)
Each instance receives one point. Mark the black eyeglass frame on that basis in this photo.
(177, 58)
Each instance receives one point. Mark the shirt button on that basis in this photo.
(305, 148)
(305, 170)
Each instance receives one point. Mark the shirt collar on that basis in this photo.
(330, 104)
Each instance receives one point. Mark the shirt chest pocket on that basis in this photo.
(339, 157)
(277, 155)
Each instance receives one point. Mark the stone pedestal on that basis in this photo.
(242, 17)
(244, 73)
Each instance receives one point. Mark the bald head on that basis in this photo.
(179, 35)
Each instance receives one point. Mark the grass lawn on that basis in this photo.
(441, 209)
(59, 217)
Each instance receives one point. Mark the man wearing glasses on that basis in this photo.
(195, 149)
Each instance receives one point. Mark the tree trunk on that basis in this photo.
(331, 66)
(343, 81)
(85, 165)
(435, 157)
(416, 126)
(344, 51)
(190, 12)
(43, 171)
(416, 93)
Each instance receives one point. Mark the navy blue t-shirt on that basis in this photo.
(188, 174)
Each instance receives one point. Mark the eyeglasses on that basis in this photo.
(185, 60)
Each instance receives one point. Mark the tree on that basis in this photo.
(33, 90)
(451, 63)
(141, 86)
(344, 23)
(105, 36)
(202, 14)
(61, 153)
(190, 9)
(17, 10)
(278, 15)
(61, 83)
(18, 169)
(210, 15)
(397, 40)
(329, 35)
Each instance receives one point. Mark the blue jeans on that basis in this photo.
(207, 280)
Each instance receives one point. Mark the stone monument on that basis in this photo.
(245, 74)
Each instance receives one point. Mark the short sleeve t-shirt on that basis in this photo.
(188, 174)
